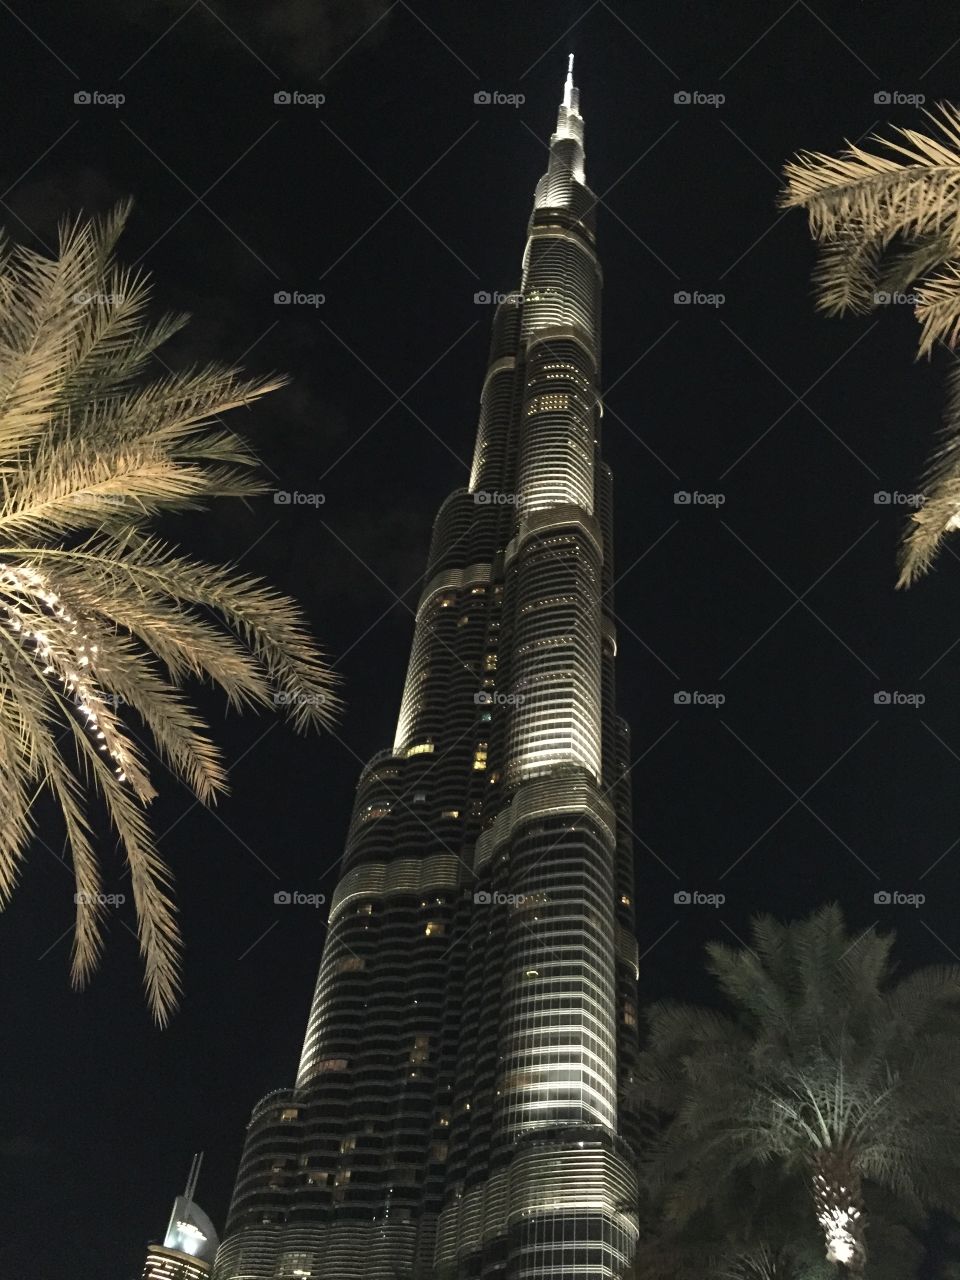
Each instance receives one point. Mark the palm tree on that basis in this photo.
(824, 1070)
(758, 1226)
(889, 222)
(102, 624)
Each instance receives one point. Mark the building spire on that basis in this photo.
(192, 1176)
(568, 90)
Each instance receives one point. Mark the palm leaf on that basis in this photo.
(940, 485)
(101, 625)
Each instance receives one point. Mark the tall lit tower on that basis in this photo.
(458, 1111)
(190, 1243)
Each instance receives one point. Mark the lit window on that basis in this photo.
(630, 1013)
(450, 813)
(420, 749)
(332, 1064)
(350, 964)
(625, 899)
(348, 1144)
(375, 811)
(462, 622)
(289, 1113)
(435, 929)
(490, 662)
(480, 756)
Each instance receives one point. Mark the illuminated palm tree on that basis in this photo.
(758, 1226)
(889, 222)
(825, 1071)
(102, 624)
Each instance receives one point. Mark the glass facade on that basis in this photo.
(458, 1110)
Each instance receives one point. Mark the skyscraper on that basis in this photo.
(458, 1110)
(190, 1243)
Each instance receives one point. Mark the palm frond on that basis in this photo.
(102, 625)
(938, 308)
(846, 277)
(913, 192)
(940, 486)
(861, 204)
(904, 266)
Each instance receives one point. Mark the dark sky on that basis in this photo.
(399, 199)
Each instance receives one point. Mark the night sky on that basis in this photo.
(399, 199)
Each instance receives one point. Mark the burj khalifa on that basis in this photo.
(461, 1108)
